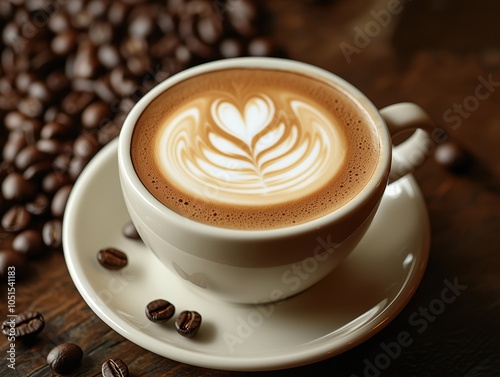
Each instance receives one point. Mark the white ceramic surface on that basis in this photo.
(249, 266)
(353, 303)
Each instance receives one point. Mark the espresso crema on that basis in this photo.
(254, 148)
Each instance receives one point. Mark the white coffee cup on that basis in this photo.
(257, 266)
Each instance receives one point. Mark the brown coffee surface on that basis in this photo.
(254, 148)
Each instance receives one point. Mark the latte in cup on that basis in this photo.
(251, 148)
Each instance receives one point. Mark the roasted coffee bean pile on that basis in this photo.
(69, 73)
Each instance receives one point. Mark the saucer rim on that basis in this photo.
(299, 357)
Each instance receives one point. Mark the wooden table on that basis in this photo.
(433, 53)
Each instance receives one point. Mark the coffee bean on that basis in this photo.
(13, 120)
(16, 219)
(37, 170)
(166, 45)
(242, 15)
(188, 323)
(262, 47)
(31, 107)
(112, 259)
(29, 242)
(64, 42)
(65, 119)
(51, 147)
(75, 7)
(24, 81)
(15, 142)
(209, 29)
(77, 164)
(159, 311)
(18, 188)
(101, 32)
(86, 145)
(52, 234)
(57, 81)
(97, 8)
(40, 91)
(44, 61)
(26, 325)
(102, 87)
(58, 22)
(231, 48)
(114, 368)
(134, 46)
(64, 358)
(55, 130)
(95, 113)
(108, 56)
(122, 81)
(138, 65)
(182, 54)
(38, 206)
(140, 25)
(453, 157)
(62, 161)
(75, 102)
(82, 84)
(8, 101)
(86, 64)
(198, 48)
(28, 156)
(53, 181)
(13, 262)
(59, 201)
(129, 230)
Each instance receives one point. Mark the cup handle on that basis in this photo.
(413, 151)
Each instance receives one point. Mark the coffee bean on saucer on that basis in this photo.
(64, 358)
(159, 311)
(453, 157)
(129, 230)
(188, 323)
(25, 325)
(114, 368)
(112, 259)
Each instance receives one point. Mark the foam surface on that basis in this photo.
(253, 149)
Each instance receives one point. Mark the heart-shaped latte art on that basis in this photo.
(248, 151)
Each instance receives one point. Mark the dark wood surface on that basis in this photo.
(433, 53)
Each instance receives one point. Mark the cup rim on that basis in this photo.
(379, 175)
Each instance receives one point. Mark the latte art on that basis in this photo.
(264, 150)
(254, 148)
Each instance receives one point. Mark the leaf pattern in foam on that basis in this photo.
(250, 149)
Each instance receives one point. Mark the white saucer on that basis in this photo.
(357, 300)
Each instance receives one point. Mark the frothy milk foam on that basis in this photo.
(254, 148)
